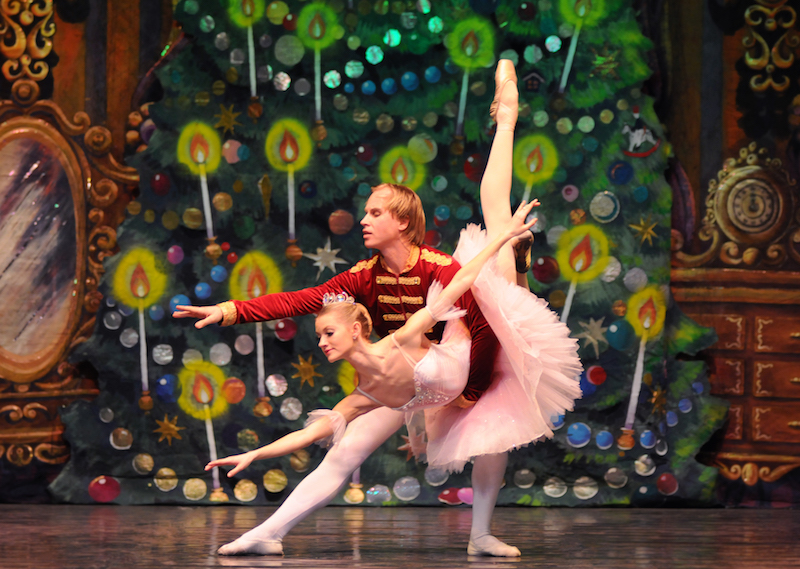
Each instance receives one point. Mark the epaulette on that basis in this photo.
(363, 265)
(436, 258)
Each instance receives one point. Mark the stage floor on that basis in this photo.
(119, 537)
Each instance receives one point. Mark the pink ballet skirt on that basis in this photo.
(535, 377)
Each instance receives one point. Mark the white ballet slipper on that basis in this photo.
(251, 547)
(489, 545)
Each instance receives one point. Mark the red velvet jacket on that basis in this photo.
(390, 300)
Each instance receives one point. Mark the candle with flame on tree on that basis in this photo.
(199, 148)
(579, 13)
(535, 161)
(470, 46)
(244, 14)
(254, 275)
(288, 149)
(202, 397)
(646, 313)
(139, 281)
(582, 255)
(398, 167)
(318, 27)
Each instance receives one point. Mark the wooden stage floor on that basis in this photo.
(121, 537)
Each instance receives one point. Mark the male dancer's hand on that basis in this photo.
(206, 314)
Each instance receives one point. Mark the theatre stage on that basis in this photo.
(120, 537)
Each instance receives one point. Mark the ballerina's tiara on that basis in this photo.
(331, 298)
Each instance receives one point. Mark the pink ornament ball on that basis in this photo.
(230, 151)
(285, 329)
(175, 254)
(104, 489)
(465, 495)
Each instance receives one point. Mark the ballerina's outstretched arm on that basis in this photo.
(348, 409)
(411, 333)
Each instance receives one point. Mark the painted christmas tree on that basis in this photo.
(275, 121)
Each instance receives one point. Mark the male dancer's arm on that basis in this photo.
(296, 303)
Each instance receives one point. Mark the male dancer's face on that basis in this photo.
(379, 227)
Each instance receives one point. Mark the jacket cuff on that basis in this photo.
(229, 313)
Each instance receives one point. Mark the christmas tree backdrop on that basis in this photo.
(274, 121)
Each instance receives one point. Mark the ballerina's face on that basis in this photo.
(335, 336)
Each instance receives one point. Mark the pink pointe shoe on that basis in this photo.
(243, 546)
(505, 106)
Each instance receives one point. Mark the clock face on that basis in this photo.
(753, 206)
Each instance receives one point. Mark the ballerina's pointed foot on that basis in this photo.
(251, 547)
(505, 106)
(489, 545)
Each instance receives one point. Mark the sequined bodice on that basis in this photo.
(439, 377)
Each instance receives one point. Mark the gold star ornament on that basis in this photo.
(645, 230)
(168, 429)
(227, 119)
(306, 371)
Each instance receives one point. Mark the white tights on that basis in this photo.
(363, 436)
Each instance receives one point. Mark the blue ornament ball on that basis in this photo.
(604, 440)
(697, 387)
(219, 273)
(202, 290)
(125, 310)
(389, 86)
(579, 435)
(368, 88)
(619, 334)
(647, 439)
(165, 388)
(243, 152)
(450, 67)
(349, 88)
(587, 387)
(557, 421)
(433, 74)
(409, 80)
(672, 418)
(685, 405)
(179, 299)
(335, 160)
(156, 312)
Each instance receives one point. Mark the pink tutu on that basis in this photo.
(535, 377)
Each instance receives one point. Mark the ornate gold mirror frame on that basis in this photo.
(77, 191)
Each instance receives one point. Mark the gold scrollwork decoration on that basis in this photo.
(29, 412)
(24, 55)
(760, 56)
(19, 455)
(51, 453)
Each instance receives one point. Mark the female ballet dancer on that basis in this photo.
(403, 371)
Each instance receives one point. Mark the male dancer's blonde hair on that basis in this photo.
(406, 205)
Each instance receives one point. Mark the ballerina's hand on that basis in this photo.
(518, 224)
(239, 461)
(205, 314)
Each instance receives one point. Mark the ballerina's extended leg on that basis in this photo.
(363, 436)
